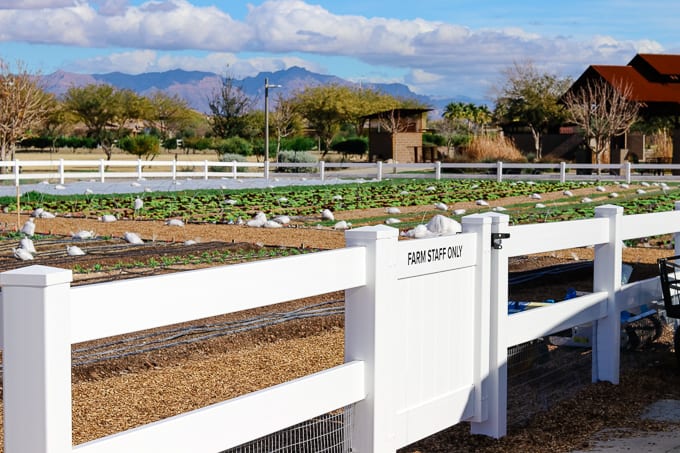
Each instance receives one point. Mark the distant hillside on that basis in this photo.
(197, 88)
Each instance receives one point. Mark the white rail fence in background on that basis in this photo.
(62, 170)
(426, 332)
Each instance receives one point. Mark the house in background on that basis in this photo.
(655, 83)
(397, 135)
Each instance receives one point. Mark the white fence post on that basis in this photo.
(368, 337)
(205, 170)
(322, 170)
(563, 172)
(139, 169)
(61, 171)
(174, 169)
(628, 172)
(233, 168)
(36, 360)
(379, 166)
(437, 170)
(481, 225)
(266, 170)
(496, 388)
(499, 171)
(101, 170)
(16, 173)
(607, 277)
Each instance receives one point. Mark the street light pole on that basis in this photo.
(267, 86)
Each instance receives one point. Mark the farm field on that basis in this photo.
(188, 375)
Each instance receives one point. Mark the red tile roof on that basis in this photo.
(666, 65)
(654, 79)
(643, 90)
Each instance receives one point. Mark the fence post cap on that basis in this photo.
(476, 219)
(608, 209)
(497, 217)
(376, 232)
(36, 276)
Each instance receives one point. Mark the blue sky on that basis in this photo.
(436, 47)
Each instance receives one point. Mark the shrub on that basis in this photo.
(434, 139)
(235, 145)
(355, 146)
(36, 142)
(297, 157)
(141, 145)
(75, 142)
(298, 143)
(227, 157)
(198, 143)
(493, 148)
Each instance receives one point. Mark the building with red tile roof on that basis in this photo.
(654, 80)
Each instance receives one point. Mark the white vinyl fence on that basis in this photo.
(62, 170)
(426, 333)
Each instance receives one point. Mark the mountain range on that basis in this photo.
(197, 87)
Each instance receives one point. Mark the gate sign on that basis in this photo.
(426, 256)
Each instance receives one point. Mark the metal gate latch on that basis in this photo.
(497, 240)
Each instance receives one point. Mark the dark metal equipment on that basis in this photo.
(669, 274)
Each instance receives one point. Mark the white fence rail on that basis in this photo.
(62, 170)
(426, 332)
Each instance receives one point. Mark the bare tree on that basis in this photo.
(24, 105)
(229, 107)
(602, 111)
(284, 119)
(531, 97)
(392, 122)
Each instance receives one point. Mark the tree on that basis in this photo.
(57, 124)
(284, 120)
(147, 146)
(601, 111)
(229, 107)
(369, 101)
(24, 105)
(325, 108)
(461, 121)
(167, 113)
(467, 116)
(104, 110)
(450, 131)
(531, 98)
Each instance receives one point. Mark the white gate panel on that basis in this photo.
(436, 317)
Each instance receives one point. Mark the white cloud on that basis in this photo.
(35, 4)
(171, 24)
(436, 56)
(418, 76)
(111, 7)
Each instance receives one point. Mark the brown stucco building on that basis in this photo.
(397, 135)
(655, 83)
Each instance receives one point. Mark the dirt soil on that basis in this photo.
(120, 394)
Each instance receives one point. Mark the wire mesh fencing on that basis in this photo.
(328, 433)
(541, 375)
